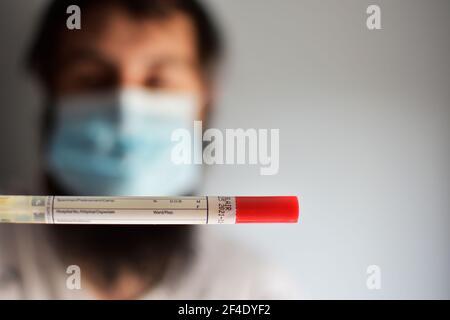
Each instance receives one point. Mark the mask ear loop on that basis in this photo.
(48, 118)
(47, 123)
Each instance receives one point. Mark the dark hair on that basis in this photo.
(41, 56)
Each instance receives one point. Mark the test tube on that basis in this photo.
(148, 210)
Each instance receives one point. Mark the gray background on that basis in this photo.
(364, 128)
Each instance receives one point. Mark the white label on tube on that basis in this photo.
(49, 209)
(222, 210)
(141, 210)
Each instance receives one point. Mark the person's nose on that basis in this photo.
(128, 79)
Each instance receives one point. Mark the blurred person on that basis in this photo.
(137, 70)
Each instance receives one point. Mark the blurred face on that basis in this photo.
(125, 148)
(115, 50)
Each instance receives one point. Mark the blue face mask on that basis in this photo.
(120, 144)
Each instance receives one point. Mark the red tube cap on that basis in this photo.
(267, 209)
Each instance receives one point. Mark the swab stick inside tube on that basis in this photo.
(148, 210)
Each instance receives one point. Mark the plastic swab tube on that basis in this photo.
(148, 210)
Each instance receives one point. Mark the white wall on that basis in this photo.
(364, 124)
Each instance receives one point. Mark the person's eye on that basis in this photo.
(86, 77)
(91, 81)
(156, 82)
